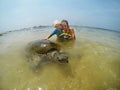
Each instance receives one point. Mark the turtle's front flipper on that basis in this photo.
(34, 60)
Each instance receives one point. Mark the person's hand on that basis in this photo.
(45, 38)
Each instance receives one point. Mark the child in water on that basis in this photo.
(57, 31)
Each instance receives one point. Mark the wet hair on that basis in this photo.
(66, 23)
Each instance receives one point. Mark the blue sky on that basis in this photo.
(16, 14)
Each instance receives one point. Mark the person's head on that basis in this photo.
(57, 25)
(65, 24)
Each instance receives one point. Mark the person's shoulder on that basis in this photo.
(55, 30)
(71, 29)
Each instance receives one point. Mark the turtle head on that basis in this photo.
(62, 58)
(59, 56)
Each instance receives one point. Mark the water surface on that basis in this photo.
(94, 62)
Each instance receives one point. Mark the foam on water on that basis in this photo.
(94, 62)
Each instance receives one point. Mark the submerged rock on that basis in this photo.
(1, 34)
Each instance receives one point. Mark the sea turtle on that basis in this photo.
(42, 50)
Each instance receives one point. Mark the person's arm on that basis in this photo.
(50, 35)
(72, 33)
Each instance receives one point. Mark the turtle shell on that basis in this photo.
(43, 46)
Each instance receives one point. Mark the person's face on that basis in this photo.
(64, 25)
(58, 26)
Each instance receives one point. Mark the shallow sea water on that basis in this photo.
(94, 62)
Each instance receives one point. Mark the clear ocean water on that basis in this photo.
(94, 62)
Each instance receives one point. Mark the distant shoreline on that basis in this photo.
(100, 29)
(39, 27)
